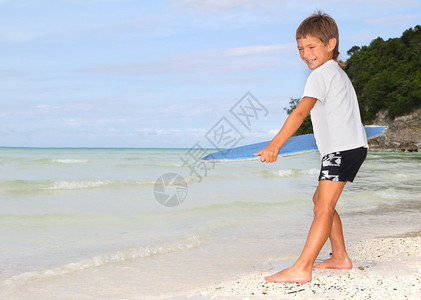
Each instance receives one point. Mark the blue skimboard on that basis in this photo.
(295, 145)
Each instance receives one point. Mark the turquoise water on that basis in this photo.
(86, 222)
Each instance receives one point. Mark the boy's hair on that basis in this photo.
(322, 26)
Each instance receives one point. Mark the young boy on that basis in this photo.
(340, 138)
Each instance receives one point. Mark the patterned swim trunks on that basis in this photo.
(343, 165)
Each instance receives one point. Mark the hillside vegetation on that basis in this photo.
(387, 75)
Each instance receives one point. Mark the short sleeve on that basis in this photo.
(315, 86)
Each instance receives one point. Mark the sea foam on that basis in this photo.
(296, 172)
(105, 259)
(70, 161)
(78, 185)
(52, 185)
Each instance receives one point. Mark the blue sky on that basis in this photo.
(126, 73)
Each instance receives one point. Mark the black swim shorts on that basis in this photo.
(343, 165)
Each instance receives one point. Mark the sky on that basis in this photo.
(175, 73)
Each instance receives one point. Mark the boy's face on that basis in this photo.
(314, 52)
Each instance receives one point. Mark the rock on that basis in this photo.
(403, 133)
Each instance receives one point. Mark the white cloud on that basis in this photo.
(390, 3)
(134, 28)
(263, 50)
(281, 6)
(18, 32)
(40, 19)
(112, 120)
(148, 131)
(361, 36)
(218, 6)
(172, 132)
(114, 130)
(219, 61)
(395, 19)
(12, 73)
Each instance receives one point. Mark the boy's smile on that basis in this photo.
(313, 52)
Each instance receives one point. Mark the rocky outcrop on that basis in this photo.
(403, 133)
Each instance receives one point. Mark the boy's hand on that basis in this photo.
(268, 154)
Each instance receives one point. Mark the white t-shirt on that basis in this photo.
(335, 117)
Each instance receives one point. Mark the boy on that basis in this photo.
(340, 138)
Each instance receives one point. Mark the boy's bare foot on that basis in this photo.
(290, 275)
(335, 263)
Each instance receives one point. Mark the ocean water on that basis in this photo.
(140, 223)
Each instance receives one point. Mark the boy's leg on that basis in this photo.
(340, 258)
(324, 210)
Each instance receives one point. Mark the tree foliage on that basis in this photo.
(387, 74)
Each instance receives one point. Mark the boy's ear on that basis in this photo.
(331, 44)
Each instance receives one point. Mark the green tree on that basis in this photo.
(353, 50)
(306, 127)
(387, 74)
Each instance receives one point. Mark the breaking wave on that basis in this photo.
(105, 259)
(291, 173)
(49, 185)
(70, 161)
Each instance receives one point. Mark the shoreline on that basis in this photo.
(383, 268)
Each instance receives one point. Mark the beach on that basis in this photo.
(91, 224)
(384, 268)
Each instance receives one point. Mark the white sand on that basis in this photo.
(385, 268)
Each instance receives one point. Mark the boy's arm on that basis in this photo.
(293, 122)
